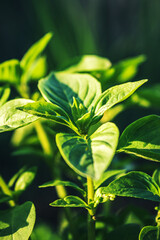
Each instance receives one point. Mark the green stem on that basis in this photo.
(91, 212)
(6, 191)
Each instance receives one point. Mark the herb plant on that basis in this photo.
(88, 146)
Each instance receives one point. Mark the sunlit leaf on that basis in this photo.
(34, 52)
(133, 184)
(17, 223)
(88, 63)
(10, 71)
(4, 95)
(116, 95)
(69, 201)
(89, 157)
(141, 138)
(12, 118)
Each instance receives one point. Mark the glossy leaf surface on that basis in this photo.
(133, 184)
(17, 223)
(89, 157)
(69, 201)
(12, 118)
(116, 95)
(141, 138)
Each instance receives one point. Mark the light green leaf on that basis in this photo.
(89, 157)
(63, 183)
(133, 184)
(62, 87)
(156, 176)
(25, 179)
(116, 95)
(125, 70)
(88, 63)
(4, 94)
(150, 233)
(40, 68)
(12, 118)
(15, 176)
(47, 110)
(10, 71)
(107, 177)
(69, 201)
(17, 223)
(34, 52)
(142, 138)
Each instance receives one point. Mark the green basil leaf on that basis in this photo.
(63, 183)
(141, 138)
(124, 71)
(156, 176)
(107, 177)
(12, 118)
(4, 198)
(116, 95)
(133, 184)
(17, 223)
(47, 110)
(89, 157)
(10, 71)
(34, 52)
(15, 177)
(149, 233)
(70, 201)
(25, 179)
(62, 87)
(88, 63)
(4, 95)
(39, 69)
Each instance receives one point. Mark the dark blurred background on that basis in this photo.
(114, 29)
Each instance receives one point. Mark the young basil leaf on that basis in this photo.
(156, 176)
(133, 184)
(108, 176)
(141, 138)
(62, 87)
(63, 183)
(17, 223)
(39, 69)
(34, 52)
(10, 71)
(88, 63)
(12, 118)
(89, 157)
(150, 232)
(4, 95)
(47, 110)
(25, 179)
(115, 95)
(15, 177)
(70, 201)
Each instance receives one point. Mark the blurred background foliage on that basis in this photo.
(116, 30)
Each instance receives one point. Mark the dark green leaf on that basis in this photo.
(25, 179)
(11, 118)
(150, 233)
(10, 71)
(142, 138)
(133, 184)
(89, 157)
(17, 223)
(63, 183)
(4, 198)
(34, 52)
(116, 95)
(69, 201)
(156, 176)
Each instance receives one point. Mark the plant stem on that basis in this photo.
(6, 191)
(91, 212)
